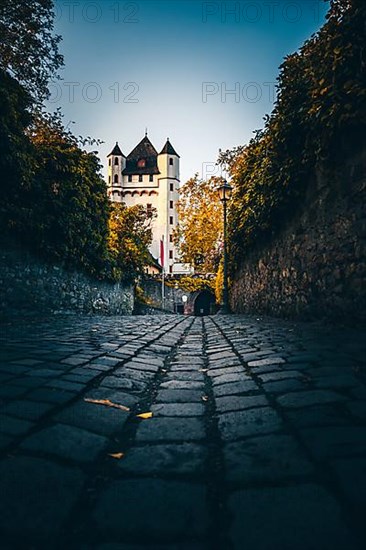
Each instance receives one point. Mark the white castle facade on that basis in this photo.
(151, 179)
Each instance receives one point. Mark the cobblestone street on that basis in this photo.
(257, 438)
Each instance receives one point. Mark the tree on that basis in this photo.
(54, 199)
(16, 162)
(319, 113)
(130, 235)
(62, 210)
(200, 231)
(28, 46)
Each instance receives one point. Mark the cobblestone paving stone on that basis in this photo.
(256, 441)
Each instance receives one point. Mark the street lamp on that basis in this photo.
(225, 191)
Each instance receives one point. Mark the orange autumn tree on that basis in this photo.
(130, 235)
(200, 230)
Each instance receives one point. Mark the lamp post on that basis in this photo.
(225, 191)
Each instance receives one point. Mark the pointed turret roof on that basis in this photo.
(116, 151)
(144, 149)
(146, 153)
(168, 149)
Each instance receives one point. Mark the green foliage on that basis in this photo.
(53, 198)
(321, 99)
(130, 235)
(28, 47)
(58, 207)
(70, 221)
(61, 210)
(191, 284)
(200, 230)
(142, 298)
(16, 161)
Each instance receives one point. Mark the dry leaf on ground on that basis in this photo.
(117, 455)
(106, 403)
(145, 415)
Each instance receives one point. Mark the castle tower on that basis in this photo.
(151, 179)
(116, 163)
(168, 163)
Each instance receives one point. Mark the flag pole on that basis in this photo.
(162, 274)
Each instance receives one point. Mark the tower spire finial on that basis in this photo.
(146, 131)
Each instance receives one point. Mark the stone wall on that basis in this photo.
(315, 268)
(153, 292)
(30, 286)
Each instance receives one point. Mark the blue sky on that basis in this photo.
(200, 73)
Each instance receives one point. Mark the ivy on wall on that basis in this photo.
(321, 100)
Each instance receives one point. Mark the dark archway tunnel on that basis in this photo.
(204, 303)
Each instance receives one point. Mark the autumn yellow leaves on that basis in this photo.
(109, 403)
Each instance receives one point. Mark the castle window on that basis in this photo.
(171, 204)
(171, 162)
(116, 161)
(130, 178)
(109, 179)
(109, 162)
(171, 254)
(149, 210)
(141, 163)
(172, 186)
(151, 177)
(170, 238)
(116, 178)
(140, 177)
(171, 220)
(170, 269)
